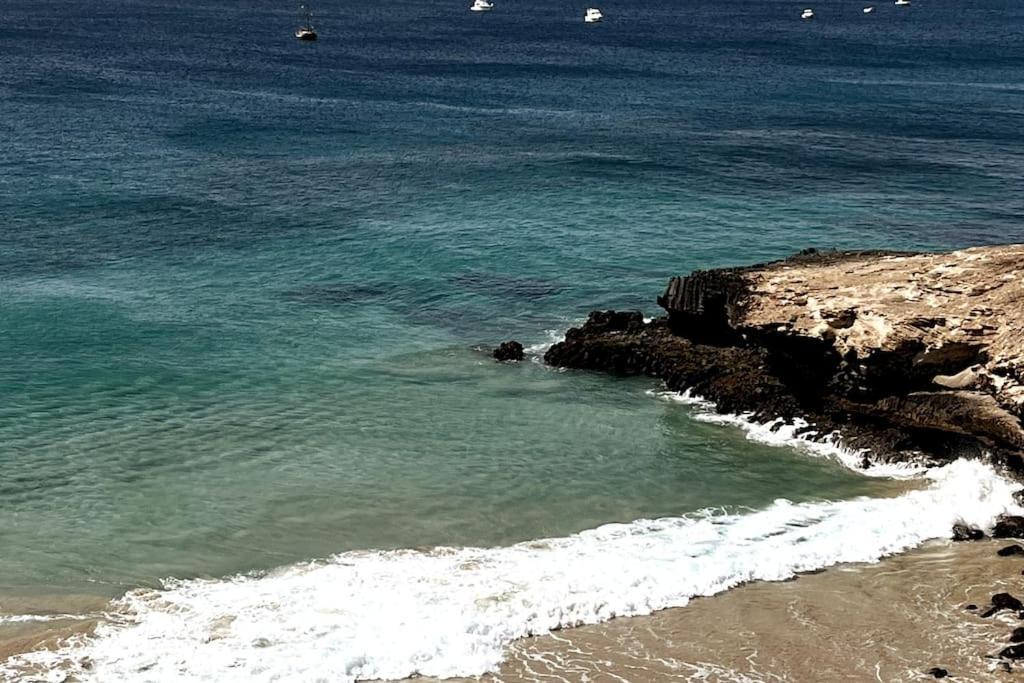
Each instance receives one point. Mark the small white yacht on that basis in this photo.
(902, 2)
(869, 9)
(807, 14)
(481, 6)
(593, 15)
(305, 32)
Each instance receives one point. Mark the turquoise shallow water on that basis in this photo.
(242, 280)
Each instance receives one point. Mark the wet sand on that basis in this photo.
(59, 616)
(890, 621)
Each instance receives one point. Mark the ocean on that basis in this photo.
(248, 287)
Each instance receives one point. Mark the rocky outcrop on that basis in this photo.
(508, 351)
(908, 355)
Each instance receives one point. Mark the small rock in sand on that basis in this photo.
(1013, 652)
(937, 672)
(1010, 550)
(1001, 601)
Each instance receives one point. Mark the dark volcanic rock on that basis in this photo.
(853, 342)
(971, 607)
(1010, 550)
(735, 378)
(937, 672)
(1012, 652)
(1017, 636)
(509, 351)
(962, 532)
(1009, 526)
(1001, 601)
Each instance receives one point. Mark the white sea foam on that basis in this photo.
(30, 618)
(447, 612)
(796, 434)
(551, 337)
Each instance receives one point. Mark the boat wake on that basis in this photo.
(453, 611)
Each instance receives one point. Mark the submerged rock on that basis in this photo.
(1017, 636)
(509, 351)
(962, 532)
(937, 672)
(903, 354)
(1001, 601)
(1009, 526)
(1012, 652)
(1010, 550)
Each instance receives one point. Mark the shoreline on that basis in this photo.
(888, 621)
(900, 359)
(891, 620)
(662, 645)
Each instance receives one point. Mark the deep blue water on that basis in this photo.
(242, 278)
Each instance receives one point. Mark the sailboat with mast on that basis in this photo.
(305, 31)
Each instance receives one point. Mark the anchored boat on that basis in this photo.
(305, 32)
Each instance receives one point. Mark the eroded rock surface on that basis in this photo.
(910, 355)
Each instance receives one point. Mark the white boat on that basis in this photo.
(902, 2)
(869, 9)
(305, 32)
(593, 15)
(481, 6)
(807, 14)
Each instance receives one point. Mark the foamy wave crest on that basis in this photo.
(797, 434)
(551, 337)
(448, 612)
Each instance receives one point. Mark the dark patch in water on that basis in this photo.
(337, 293)
(507, 286)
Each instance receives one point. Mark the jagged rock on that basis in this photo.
(962, 532)
(1001, 601)
(937, 672)
(1010, 550)
(1008, 526)
(509, 351)
(907, 355)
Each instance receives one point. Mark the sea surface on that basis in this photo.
(248, 285)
